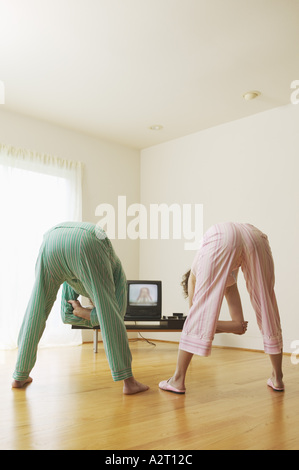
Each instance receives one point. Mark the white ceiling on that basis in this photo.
(113, 68)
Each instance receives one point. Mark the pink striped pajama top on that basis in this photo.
(226, 247)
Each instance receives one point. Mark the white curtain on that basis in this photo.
(36, 192)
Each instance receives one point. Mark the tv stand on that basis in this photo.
(166, 324)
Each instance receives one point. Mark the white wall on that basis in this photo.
(109, 169)
(243, 171)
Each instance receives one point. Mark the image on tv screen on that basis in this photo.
(143, 294)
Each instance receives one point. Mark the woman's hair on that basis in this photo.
(184, 283)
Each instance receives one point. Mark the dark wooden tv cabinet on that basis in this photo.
(164, 325)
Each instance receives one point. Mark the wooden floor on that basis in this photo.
(74, 404)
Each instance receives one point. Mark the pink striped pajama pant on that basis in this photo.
(225, 247)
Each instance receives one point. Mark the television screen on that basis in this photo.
(144, 300)
(143, 294)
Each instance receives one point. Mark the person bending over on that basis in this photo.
(224, 249)
(81, 257)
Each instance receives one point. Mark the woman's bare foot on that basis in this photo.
(243, 328)
(131, 386)
(234, 327)
(277, 374)
(21, 383)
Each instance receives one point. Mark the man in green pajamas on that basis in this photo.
(81, 257)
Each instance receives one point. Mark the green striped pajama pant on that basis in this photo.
(81, 257)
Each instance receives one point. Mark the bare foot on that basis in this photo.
(80, 311)
(131, 386)
(239, 328)
(21, 383)
(243, 329)
(234, 327)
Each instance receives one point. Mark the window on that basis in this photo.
(36, 193)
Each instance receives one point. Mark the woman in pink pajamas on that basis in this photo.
(224, 249)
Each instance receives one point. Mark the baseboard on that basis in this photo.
(261, 351)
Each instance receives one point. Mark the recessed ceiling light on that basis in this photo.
(156, 127)
(251, 95)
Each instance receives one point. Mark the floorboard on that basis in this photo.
(74, 404)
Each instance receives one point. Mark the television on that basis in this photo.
(144, 300)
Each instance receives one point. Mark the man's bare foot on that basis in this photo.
(80, 311)
(21, 383)
(131, 386)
